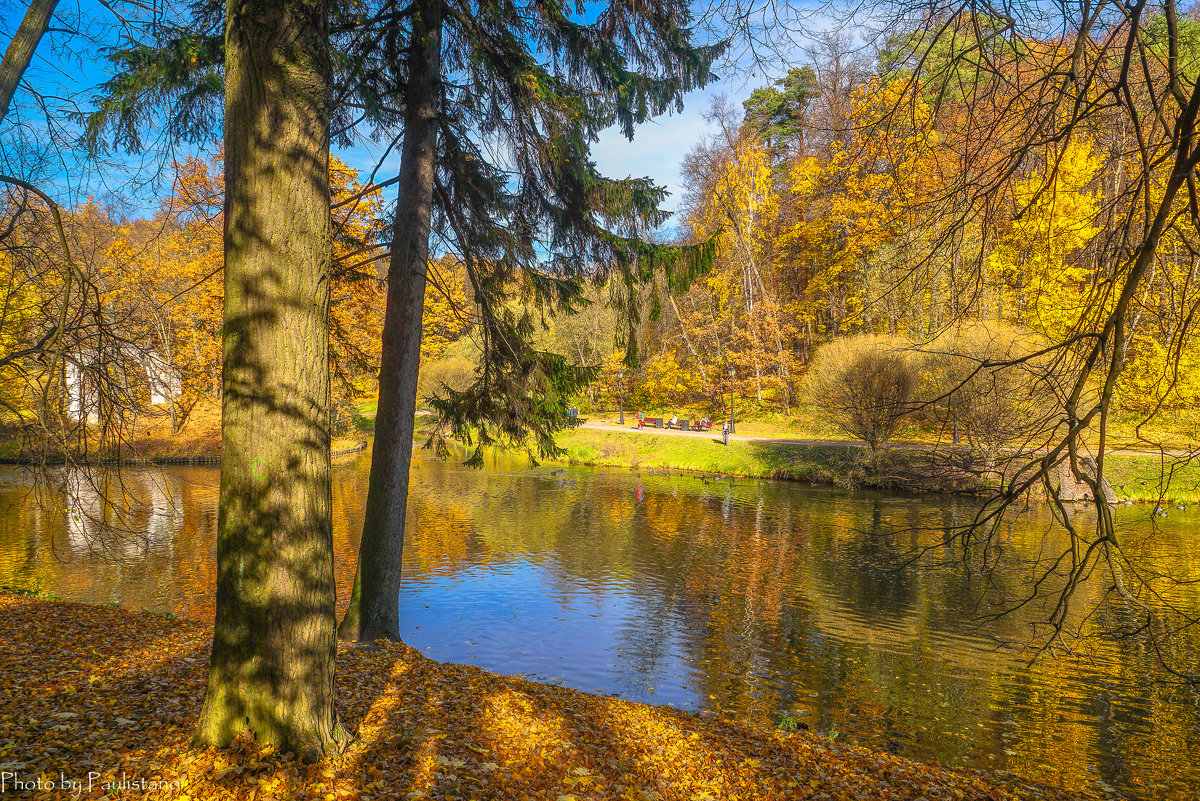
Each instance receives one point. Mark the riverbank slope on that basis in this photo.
(102, 694)
(911, 467)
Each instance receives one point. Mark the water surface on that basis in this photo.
(745, 598)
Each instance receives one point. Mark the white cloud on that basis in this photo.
(659, 146)
(657, 149)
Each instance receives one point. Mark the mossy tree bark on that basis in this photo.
(374, 611)
(274, 638)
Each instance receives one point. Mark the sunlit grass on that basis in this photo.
(366, 407)
(1153, 479)
(1138, 478)
(1133, 477)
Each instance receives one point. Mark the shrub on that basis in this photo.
(454, 368)
(983, 382)
(864, 386)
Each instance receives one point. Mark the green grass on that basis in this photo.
(699, 454)
(1135, 478)
(1153, 479)
(364, 413)
(799, 424)
(847, 466)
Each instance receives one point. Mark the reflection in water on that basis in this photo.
(124, 515)
(742, 598)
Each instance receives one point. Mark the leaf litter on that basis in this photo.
(100, 702)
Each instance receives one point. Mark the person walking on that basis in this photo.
(641, 418)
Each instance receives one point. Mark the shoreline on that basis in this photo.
(913, 468)
(206, 458)
(100, 689)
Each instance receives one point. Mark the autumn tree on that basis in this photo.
(23, 339)
(274, 639)
(76, 376)
(1032, 104)
(177, 269)
(741, 206)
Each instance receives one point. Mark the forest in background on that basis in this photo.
(832, 197)
(155, 291)
(826, 195)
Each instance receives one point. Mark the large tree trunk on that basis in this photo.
(19, 52)
(274, 637)
(374, 611)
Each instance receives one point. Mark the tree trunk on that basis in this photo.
(374, 611)
(20, 50)
(274, 638)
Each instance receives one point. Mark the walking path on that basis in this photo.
(630, 427)
(715, 433)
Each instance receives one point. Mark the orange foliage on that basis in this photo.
(178, 272)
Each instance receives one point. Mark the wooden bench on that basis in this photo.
(652, 422)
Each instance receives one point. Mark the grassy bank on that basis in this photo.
(101, 694)
(914, 470)
(1133, 477)
(1154, 479)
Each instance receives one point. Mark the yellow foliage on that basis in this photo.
(18, 305)
(445, 316)
(182, 272)
(668, 379)
(1056, 213)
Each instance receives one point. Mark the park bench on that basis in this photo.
(652, 422)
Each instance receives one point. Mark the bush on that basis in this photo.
(983, 383)
(342, 415)
(864, 386)
(455, 369)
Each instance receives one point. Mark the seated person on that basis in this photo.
(674, 421)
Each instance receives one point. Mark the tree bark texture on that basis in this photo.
(20, 50)
(274, 638)
(374, 604)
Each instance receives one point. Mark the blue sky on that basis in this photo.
(658, 147)
(656, 152)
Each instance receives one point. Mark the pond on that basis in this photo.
(742, 598)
